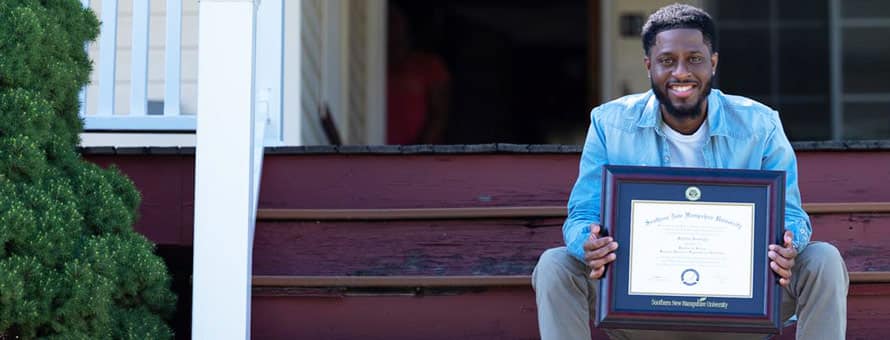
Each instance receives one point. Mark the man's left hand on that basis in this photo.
(782, 259)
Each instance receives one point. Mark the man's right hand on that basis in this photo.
(598, 252)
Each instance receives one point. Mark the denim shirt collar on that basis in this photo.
(651, 117)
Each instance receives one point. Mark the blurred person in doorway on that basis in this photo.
(418, 88)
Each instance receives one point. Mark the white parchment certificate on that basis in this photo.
(691, 249)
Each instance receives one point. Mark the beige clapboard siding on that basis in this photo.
(311, 50)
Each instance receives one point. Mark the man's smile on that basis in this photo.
(682, 90)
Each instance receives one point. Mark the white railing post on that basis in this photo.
(107, 58)
(139, 58)
(224, 170)
(83, 91)
(173, 59)
(270, 61)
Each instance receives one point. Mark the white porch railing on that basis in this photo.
(139, 118)
(309, 49)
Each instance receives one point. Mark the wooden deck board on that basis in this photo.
(454, 247)
(485, 246)
(495, 313)
(501, 212)
(279, 281)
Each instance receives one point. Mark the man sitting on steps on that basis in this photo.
(682, 122)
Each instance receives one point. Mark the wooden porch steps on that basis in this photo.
(357, 273)
(441, 267)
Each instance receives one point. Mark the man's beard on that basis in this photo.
(682, 113)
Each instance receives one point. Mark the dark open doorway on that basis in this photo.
(522, 71)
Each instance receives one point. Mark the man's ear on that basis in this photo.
(648, 63)
(714, 59)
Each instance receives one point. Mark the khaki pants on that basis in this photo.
(566, 298)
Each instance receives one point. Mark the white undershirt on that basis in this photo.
(686, 150)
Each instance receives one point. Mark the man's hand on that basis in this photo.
(598, 252)
(782, 259)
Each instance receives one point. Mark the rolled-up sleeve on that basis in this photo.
(779, 155)
(584, 202)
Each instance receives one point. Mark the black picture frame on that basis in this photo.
(760, 313)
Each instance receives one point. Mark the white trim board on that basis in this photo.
(128, 139)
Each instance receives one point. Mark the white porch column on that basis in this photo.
(223, 170)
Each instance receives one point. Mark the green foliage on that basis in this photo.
(71, 266)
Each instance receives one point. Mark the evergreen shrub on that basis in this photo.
(71, 266)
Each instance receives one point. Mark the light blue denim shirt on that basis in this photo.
(744, 134)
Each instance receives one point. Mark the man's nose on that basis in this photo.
(681, 71)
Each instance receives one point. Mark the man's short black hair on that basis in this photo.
(679, 16)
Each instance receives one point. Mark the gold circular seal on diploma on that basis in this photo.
(693, 193)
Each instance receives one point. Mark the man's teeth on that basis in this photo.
(682, 88)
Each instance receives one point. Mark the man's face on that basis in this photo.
(681, 67)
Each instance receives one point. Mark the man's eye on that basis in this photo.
(696, 60)
(666, 61)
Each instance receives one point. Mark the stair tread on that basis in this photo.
(288, 214)
(453, 281)
(498, 246)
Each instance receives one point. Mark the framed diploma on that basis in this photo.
(692, 249)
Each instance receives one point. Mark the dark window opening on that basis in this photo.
(520, 71)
